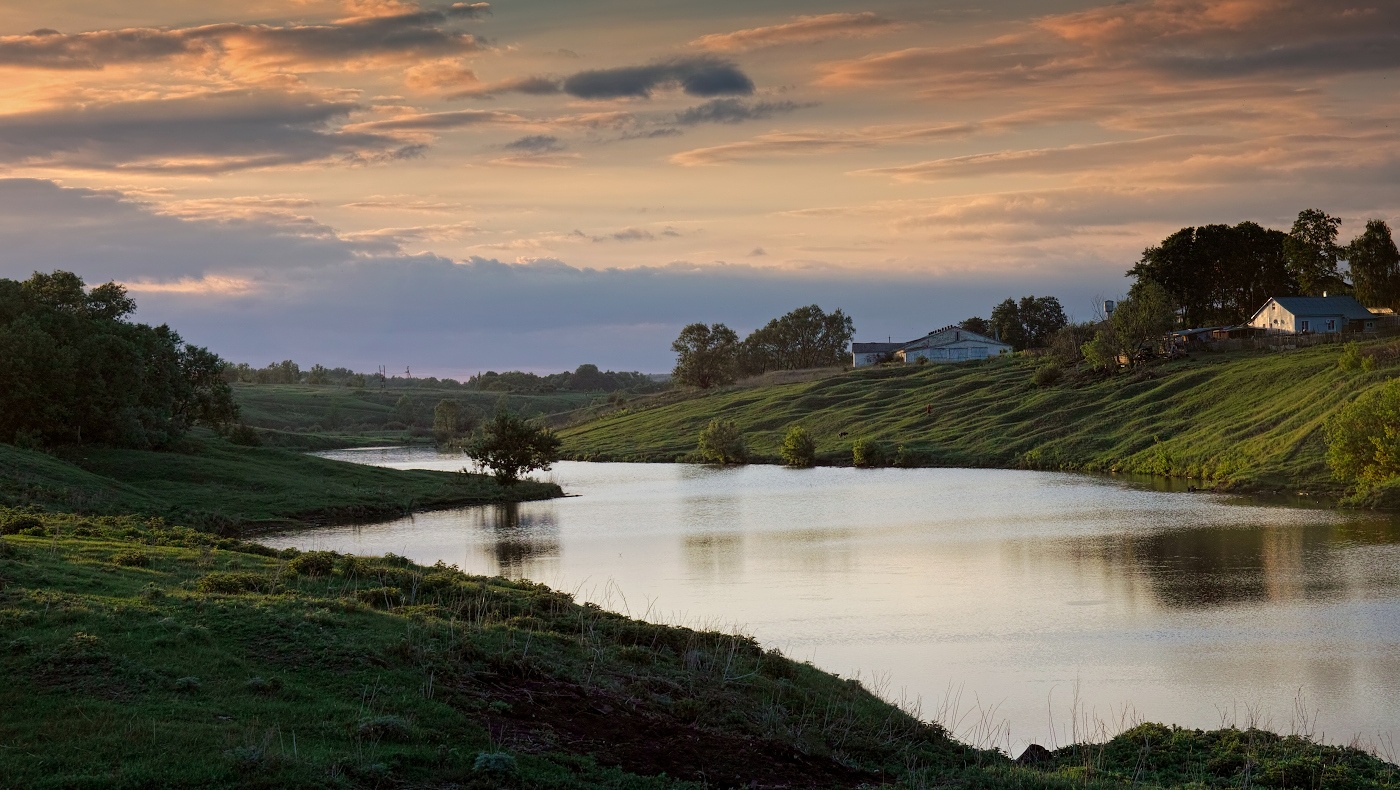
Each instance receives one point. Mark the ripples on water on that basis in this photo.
(1023, 589)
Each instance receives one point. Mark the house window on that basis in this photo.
(1302, 326)
(1331, 325)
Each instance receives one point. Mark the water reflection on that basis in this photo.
(517, 540)
(1211, 566)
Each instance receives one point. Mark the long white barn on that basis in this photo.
(949, 344)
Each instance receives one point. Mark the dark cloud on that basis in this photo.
(439, 121)
(696, 76)
(1370, 53)
(199, 133)
(536, 144)
(735, 111)
(415, 34)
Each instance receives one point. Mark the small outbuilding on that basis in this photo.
(1297, 315)
(867, 354)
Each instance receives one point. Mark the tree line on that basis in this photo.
(808, 337)
(1221, 274)
(76, 370)
(585, 378)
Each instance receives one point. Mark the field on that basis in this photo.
(306, 417)
(139, 654)
(215, 485)
(1244, 420)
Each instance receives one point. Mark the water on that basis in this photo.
(1016, 606)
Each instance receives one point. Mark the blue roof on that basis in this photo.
(1345, 306)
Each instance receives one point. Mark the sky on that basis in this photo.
(537, 184)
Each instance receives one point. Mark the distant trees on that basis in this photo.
(1312, 252)
(979, 325)
(448, 421)
(76, 370)
(1374, 263)
(1139, 321)
(808, 337)
(1029, 323)
(511, 446)
(1219, 274)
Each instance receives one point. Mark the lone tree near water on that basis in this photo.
(511, 446)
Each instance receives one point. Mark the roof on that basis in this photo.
(949, 335)
(875, 348)
(1345, 306)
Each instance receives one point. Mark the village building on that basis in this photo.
(949, 344)
(1297, 315)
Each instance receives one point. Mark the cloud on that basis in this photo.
(696, 76)
(809, 143)
(536, 144)
(735, 111)
(801, 30)
(210, 132)
(409, 34)
(439, 121)
(1050, 161)
(534, 85)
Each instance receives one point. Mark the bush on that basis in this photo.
(18, 524)
(8, 550)
(497, 763)
(263, 686)
(868, 453)
(244, 435)
(1047, 375)
(1350, 358)
(132, 559)
(721, 443)
(385, 728)
(313, 563)
(1363, 439)
(799, 448)
(228, 583)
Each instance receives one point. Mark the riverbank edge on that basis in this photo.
(178, 623)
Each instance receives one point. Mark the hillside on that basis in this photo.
(141, 655)
(1245, 420)
(215, 485)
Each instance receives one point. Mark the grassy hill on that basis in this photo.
(1247, 420)
(140, 655)
(321, 418)
(215, 485)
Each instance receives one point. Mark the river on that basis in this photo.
(1013, 606)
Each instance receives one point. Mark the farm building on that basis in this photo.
(949, 344)
(1298, 315)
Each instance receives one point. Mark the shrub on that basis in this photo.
(186, 684)
(909, 458)
(244, 435)
(132, 559)
(17, 524)
(230, 583)
(498, 763)
(263, 686)
(1350, 358)
(1363, 439)
(868, 453)
(313, 563)
(799, 448)
(1047, 375)
(721, 443)
(8, 550)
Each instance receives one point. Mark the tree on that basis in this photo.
(447, 418)
(979, 325)
(1374, 262)
(705, 355)
(1140, 321)
(721, 443)
(1218, 274)
(1363, 439)
(799, 448)
(512, 446)
(1312, 252)
(807, 337)
(1029, 323)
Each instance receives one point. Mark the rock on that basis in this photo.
(1035, 755)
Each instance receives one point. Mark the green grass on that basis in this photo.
(138, 654)
(216, 485)
(321, 418)
(1243, 420)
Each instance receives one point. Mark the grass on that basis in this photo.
(307, 417)
(1245, 420)
(140, 654)
(224, 487)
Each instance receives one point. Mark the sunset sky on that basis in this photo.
(535, 184)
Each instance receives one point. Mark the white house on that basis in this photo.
(949, 344)
(1296, 315)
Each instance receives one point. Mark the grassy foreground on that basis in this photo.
(138, 654)
(227, 488)
(1244, 420)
